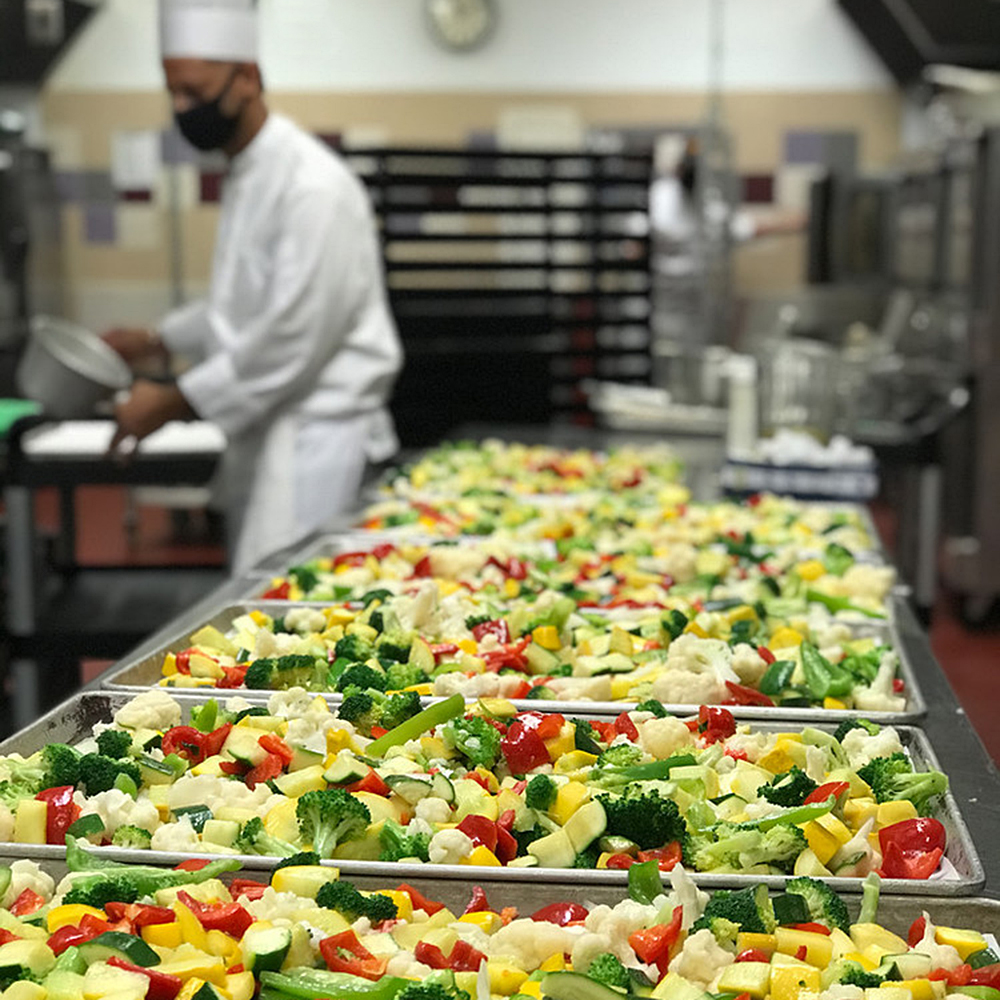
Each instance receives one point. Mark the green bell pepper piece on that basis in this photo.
(434, 715)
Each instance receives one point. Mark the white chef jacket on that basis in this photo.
(298, 349)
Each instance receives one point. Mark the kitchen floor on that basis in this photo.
(969, 656)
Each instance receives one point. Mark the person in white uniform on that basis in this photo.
(295, 348)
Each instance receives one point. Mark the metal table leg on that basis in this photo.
(21, 597)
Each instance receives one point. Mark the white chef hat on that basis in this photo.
(223, 30)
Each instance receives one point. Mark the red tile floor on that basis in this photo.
(969, 656)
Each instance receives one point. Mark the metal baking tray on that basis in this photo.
(74, 720)
(143, 670)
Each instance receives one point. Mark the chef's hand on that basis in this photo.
(148, 407)
(135, 344)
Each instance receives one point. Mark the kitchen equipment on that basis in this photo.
(798, 387)
(69, 369)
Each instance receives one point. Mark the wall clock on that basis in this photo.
(461, 25)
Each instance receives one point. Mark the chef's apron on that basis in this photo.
(292, 480)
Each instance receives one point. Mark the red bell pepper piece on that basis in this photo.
(431, 955)
(383, 550)
(821, 794)
(276, 745)
(666, 858)
(897, 863)
(279, 593)
(420, 901)
(913, 848)
(443, 649)
(521, 691)
(506, 849)
(740, 694)
(371, 782)
(162, 986)
(715, 723)
(185, 741)
(6, 936)
(68, 937)
(192, 865)
(655, 944)
(547, 726)
(60, 814)
(27, 903)
(766, 655)
(139, 916)
(270, 767)
(917, 929)
(345, 953)
(621, 862)
(813, 928)
(230, 918)
(961, 976)
(423, 568)
(753, 955)
(350, 559)
(736, 754)
(898, 685)
(478, 903)
(183, 661)
(233, 767)
(511, 656)
(465, 958)
(801, 952)
(234, 677)
(523, 748)
(498, 627)
(624, 726)
(987, 975)
(378, 731)
(480, 830)
(215, 740)
(247, 887)
(560, 914)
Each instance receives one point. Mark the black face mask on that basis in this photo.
(206, 126)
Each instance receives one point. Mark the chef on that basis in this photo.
(295, 348)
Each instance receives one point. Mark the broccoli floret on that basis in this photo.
(254, 710)
(825, 906)
(526, 837)
(133, 838)
(647, 818)
(254, 839)
(354, 648)
(114, 743)
(789, 789)
(587, 858)
(329, 817)
(403, 675)
(361, 709)
(620, 755)
(302, 858)
(854, 974)
(363, 677)
(540, 693)
(431, 991)
(750, 909)
(62, 765)
(474, 738)
(284, 672)
(652, 705)
(400, 707)
(726, 847)
(305, 577)
(394, 646)
(848, 724)
(724, 931)
(540, 792)
(16, 974)
(99, 773)
(379, 594)
(893, 778)
(608, 969)
(584, 737)
(345, 899)
(27, 778)
(100, 890)
(397, 844)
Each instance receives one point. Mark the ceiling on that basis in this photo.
(911, 34)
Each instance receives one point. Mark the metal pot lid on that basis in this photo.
(82, 352)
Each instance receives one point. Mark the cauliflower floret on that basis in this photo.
(528, 943)
(404, 965)
(582, 688)
(452, 562)
(180, 836)
(237, 704)
(305, 621)
(840, 991)
(310, 729)
(816, 763)
(879, 695)
(679, 562)
(834, 634)
(432, 810)
(449, 847)
(6, 823)
(681, 688)
(748, 664)
(290, 704)
(690, 652)
(274, 905)
(867, 581)
(663, 737)
(153, 709)
(118, 809)
(416, 611)
(701, 959)
(684, 893)
(27, 875)
(217, 792)
(861, 747)
(752, 744)
(608, 929)
(943, 956)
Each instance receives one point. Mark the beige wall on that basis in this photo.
(134, 268)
